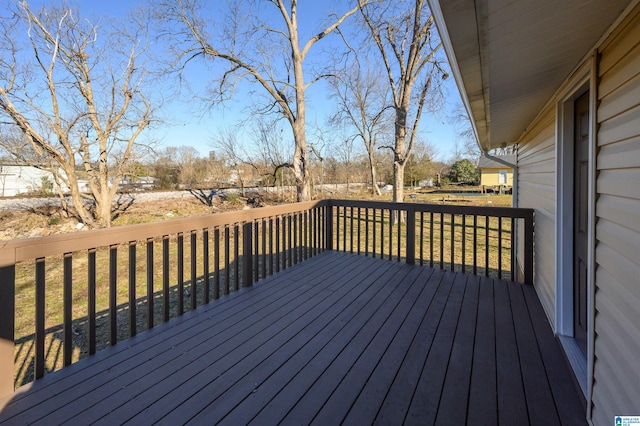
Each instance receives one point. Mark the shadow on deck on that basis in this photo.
(337, 338)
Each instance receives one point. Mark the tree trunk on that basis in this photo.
(399, 159)
(68, 176)
(375, 189)
(103, 209)
(301, 154)
(300, 158)
(398, 191)
(398, 182)
(81, 209)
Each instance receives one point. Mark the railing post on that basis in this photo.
(411, 235)
(247, 254)
(528, 248)
(329, 227)
(7, 327)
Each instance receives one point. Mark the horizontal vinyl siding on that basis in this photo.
(622, 70)
(616, 376)
(623, 211)
(620, 182)
(536, 189)
(491, 177)
(621, 155)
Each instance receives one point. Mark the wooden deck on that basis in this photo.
(337, 338)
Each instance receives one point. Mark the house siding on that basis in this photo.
(536, 189)
(21, 179)
(616, 370)
(491, 177)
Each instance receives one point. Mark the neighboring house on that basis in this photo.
(496, 175)
(83, 186)
(16, 179)
(426, 183)
(146, 182)
(562, 80)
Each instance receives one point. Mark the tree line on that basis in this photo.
(79, 95)
(184, 168)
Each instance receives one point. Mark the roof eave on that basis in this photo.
(478, 115)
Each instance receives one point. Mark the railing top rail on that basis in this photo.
(511, 212)
(15, 251)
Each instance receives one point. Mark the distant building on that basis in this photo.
(146, 182)
(426, 183)
(16, 179)
(494, 175)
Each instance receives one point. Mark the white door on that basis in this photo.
(502, 177)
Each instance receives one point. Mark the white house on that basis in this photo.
(562, 80)
(16, 179)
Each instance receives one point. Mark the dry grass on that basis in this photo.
(437, 197)
(458, 246)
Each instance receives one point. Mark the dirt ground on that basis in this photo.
(50, 220)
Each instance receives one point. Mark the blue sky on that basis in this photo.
(192, 126)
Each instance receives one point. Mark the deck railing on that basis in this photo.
(63, 297)
(470, 239)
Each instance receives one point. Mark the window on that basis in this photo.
(502, 177)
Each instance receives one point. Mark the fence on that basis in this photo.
(67, 296)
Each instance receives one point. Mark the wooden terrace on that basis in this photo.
(334, 337)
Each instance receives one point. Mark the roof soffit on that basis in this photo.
(513, 55)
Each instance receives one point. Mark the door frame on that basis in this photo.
(580, 82)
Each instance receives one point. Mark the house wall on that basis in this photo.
(616, 370)
(490, 177)
(536, 189)
(615, 379)
(16, 179)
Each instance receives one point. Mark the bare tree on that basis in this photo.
(362, 103)
(166, 170)
(230, 149)
(404, 34)
(466, 136)
(269, 54)
(76, 96)
(192, 167)
(270, 154)
(346, 153)
(216, 170)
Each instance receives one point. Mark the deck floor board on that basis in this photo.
(338, 338)
(455, 391)
(512, 404)
(52, 391)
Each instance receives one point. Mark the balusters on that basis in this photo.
(180, 277)
(150, 295)
(113, 281)
(216, 263)
(91, 300)
(166, 303)
(227, 252)
(486, 246)
(499, 248)
(132, 288)
(67, 296)
(205, 265)
(431, 239)
(464, 242)
(40, 316)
